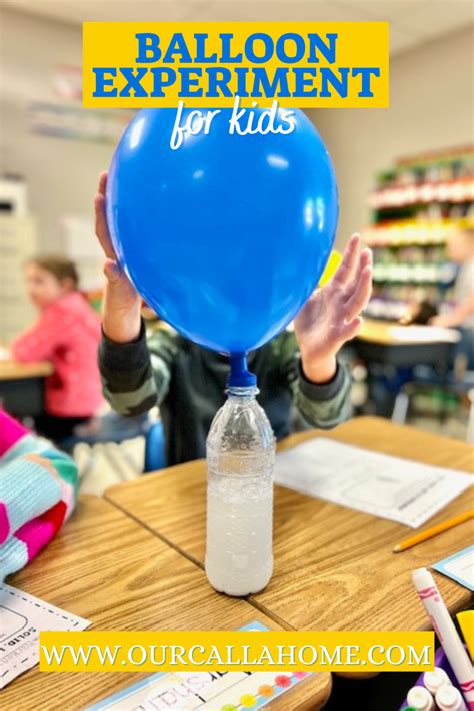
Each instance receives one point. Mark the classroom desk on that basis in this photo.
(376, 342)
(22, 386)
(334, 567)
(107, 568)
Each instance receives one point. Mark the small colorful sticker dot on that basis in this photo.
(300, 675)
(283, 680)
(229, 707)
(265, 690)
(247, 701)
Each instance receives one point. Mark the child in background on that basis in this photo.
(67, 333)
(461, 250)
(37, 494)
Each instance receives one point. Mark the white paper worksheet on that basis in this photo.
(398, 489)
(459, 567)
(22, 618)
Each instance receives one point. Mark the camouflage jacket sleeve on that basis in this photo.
(136, 376)
(322, 405)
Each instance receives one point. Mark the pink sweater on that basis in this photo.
(67, 334)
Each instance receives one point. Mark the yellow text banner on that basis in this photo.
(233, 651)
(208, 64)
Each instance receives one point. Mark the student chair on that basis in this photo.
(108, 428)
(105, 434)
(452, 388)
(155, 448)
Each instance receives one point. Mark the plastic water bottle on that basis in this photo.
(240, 460)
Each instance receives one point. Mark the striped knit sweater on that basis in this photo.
(38, 487)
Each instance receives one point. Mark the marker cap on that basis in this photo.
(420, 698)
(434, 680)
(448, 698)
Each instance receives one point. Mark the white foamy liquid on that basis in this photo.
(239, 558)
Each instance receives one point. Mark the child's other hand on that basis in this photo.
(121, 310)
(332, 315)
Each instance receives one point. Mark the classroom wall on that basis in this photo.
(61, 174)
(431, 107)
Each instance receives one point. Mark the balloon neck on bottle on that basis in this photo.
(240, 377)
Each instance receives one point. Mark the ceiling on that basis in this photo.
(412, 22)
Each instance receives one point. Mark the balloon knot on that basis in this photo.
(240, 376)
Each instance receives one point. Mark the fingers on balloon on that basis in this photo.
(103, 182)
(361, 294)
(112, 270)
(100, 220)
(365, 261)
(349, 261)
(366, 256)
(350, 329)
(101, 228)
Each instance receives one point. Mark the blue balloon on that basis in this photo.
(227, 236)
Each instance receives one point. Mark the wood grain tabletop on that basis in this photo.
(107, 568)
(11, 370)
(334, 567)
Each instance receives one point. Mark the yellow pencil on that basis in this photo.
(430, 532)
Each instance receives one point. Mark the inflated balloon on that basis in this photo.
(227, 236)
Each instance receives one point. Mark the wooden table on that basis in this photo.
(22, 386)
(11, 370)
(377, 342)
(334, 567)
(107, 568)
(380, 346)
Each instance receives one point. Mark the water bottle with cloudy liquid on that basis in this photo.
(240, 461)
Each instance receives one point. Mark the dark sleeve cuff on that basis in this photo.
(124, 366)
(321, 391)
(120, 354)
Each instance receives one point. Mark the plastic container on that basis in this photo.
(240, 461)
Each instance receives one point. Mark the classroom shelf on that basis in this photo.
(417, 206)
(419, 233)
(454, 191)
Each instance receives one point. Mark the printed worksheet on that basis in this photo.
(459, 567)
(397, 489)
(22, 618)
(202, 691)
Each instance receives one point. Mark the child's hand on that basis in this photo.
(122, 304)
(332, 315)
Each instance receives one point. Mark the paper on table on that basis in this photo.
(203, 691)
(459, 567)
(425, 334)
(398, 489)
(22, 618)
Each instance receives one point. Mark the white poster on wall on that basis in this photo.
(81, 245)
